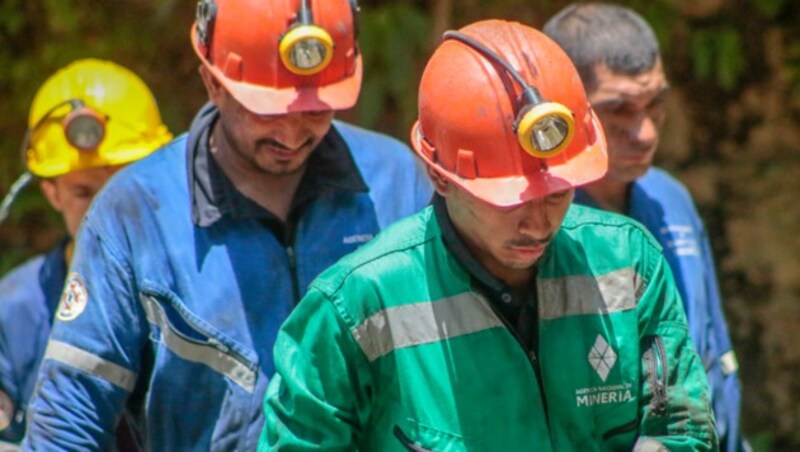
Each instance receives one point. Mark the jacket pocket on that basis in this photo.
(417, 437)
(406, 441)
(654, 360)
(190, 339)
(620, 430)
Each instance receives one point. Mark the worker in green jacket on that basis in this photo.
(502, 318)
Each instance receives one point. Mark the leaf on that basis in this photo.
(702, 48)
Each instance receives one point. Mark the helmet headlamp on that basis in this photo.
(306, 49)
(543, 128)
(84, 128)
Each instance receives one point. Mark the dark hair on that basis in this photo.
(595, 34)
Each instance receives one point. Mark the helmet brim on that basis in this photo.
(588, 166)
(263, 100)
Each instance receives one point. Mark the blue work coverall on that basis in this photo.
(665, 207)
(28, 298)
(179, 284)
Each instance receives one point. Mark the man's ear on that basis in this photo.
(50, 190)
(214, 88)
(440, 184)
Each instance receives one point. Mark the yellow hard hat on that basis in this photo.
(91, 113)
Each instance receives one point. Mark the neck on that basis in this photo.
(274, 192)
(68, 251)
(609, 194)
(520, 280)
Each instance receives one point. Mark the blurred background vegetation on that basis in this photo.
(733, 134)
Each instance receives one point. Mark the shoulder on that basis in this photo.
(368, 144)
(389, 251)
(660, 183)
(151, 170)
(597, 229)
(353, 134)
(138, 190)
(21, 286)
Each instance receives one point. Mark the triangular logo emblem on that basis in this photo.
(602, 357)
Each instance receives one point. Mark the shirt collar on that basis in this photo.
(488, 283)
(330, 167)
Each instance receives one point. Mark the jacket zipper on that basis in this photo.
(532, 358)
(406, 441)
(293, 273)
(290, 232)
(659, 377)
(624, 428)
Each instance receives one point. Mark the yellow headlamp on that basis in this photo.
(543, 128)
(306, 49)
(84, 128)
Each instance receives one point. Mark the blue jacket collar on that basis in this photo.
(330, 167)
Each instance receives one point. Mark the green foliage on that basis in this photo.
(717, 56)
(762, 442)
(393, 40)
(769, 8)
(662, 18)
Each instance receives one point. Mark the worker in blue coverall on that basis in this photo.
(619, 61)
(189, 261)
(86, 121)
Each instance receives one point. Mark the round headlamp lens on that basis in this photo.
(306, 49)
(308, 54)
(549, 132)
(85, 132)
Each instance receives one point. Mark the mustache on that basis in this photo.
(526, 242)
(278, 145)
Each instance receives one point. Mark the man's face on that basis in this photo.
(277, 145)
(632, 110)
(507, 241)
(72, 193)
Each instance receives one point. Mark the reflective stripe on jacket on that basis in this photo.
(664, 206)
(178, 320)
(392, 349)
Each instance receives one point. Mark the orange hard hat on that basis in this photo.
(503, 114)
(281, 56)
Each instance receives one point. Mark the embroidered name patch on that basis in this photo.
(73, 299)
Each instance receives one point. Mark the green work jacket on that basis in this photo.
(394, 349)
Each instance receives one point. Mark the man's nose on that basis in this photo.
(534, 220)
(644, 130)
(290, 130)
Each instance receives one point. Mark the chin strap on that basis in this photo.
(13, 192)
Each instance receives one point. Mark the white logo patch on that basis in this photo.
(73, 299)
(357, 238)
(682, 239)
(6, 410)
(602, 357)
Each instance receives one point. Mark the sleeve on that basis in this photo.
(23, 333)
(93, 355)
(321, 381)
(11, 422)
(723, 371)
(675, 410)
